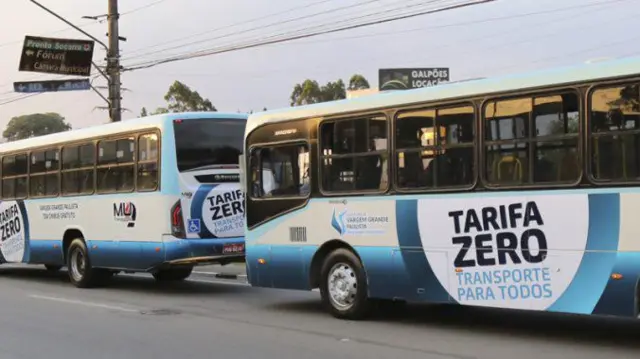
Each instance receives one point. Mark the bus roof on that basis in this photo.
(114, 127)
(470, 88)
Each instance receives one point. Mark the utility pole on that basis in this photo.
(113, 62)
(113, 55)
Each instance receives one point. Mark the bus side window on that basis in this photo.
(77, 169)
(615, 134)
(43, 174)
(147, 162)
(280, 171)
(354, 154)
(14, 176)
(435, 148)
(116, 165)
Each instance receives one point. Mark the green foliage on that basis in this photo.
(160, 110)
(34, 125)
(358, 82)
(310, 91)
(181, 98)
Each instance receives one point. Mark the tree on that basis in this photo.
(182, 99)
(310, 91)
(333, 91)
(358, 82)
(34, 125)
(160, 110)
(306, 93)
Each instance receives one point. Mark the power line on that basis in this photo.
(92, 23)
(20, 98)
(51, 33)
(232, 25)
(581, 51)
(26, 96)
(457, 45)
(317, 27)
(254, 28)
(287, 35)
(509, 17)
(143, 7)
(275, 40)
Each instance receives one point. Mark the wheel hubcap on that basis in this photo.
(77, 265)
(342, 285)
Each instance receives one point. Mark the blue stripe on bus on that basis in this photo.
(618, 297)
(129, 254)
(45, 252)
(415, 260)
(598, 260)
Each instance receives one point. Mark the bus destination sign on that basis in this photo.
(57, 56)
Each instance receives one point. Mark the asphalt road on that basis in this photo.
(43, 316)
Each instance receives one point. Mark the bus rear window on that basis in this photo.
(203, 143)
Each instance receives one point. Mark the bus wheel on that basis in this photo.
(81, 274)
(343, 285)
(52, 267)
(173, 274)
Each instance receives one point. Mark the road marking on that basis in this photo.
(86, 304)
(211, 281)
(229, 282)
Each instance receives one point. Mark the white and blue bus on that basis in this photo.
(157, 194)
(517, 192)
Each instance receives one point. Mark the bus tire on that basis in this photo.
(81, 273)
(173, 274)
(343, 285)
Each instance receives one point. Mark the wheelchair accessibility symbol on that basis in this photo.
(194, 225)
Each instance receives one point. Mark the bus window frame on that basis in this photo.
(158, 134)
(515, 95)
(275, 144)
(46, 173)
(99, 166)
(475, 145)
(94, 143)
(155, 128)
(27, 153)
(347, 117)
(587, 132)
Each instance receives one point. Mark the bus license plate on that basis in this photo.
(233, 248)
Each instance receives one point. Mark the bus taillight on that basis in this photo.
(177, 223)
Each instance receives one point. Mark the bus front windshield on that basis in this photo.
(203, 143)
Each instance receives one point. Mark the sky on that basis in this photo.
(500, 37)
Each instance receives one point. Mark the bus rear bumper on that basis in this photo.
(202, 251)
